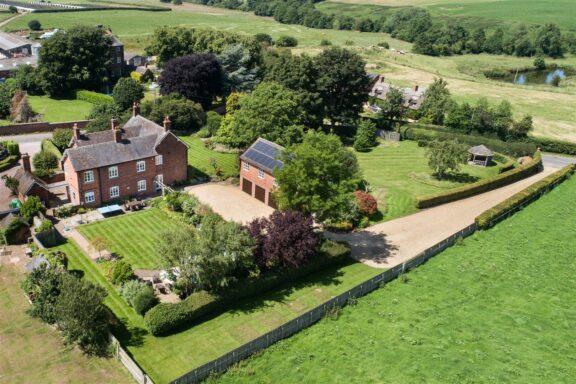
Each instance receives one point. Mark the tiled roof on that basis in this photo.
(481, 150)
(264, 155)
(140, 137)
(26, 181)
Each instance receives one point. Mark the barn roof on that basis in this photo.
(263, 154)
(481, 150)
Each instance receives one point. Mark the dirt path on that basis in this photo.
(391, 243)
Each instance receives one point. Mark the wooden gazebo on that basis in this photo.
(480, 155)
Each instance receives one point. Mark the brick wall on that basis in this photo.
(127, 180)
(18, 129)
(174, 160)
(267, 182)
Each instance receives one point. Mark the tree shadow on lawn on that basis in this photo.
(366, 245)
(127, 334)
(457, 177)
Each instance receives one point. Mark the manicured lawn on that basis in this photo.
(399, 172)
(56, 111)
(499, 308)
(166, 358)
(133, 236)
(199, 159)
(33, 352)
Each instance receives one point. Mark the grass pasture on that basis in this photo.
(497, 308)
(34, 352)
(132, 236)
(166, 358)
(399, 172)
(56, 111)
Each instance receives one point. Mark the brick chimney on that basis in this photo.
(135, 109)
(117, 135)
(76, 132)
(114, 124)
(26, 162)
(167, 124)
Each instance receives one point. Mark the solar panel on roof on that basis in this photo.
(266, 148)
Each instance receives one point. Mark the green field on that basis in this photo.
(56, 111)
(33, 352)
(199, 158)
(498, 308)
(473, 12)
(133, 236)
(398, 172)
(166, 358)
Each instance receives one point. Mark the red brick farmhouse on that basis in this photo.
(120, 163)
(256, 170)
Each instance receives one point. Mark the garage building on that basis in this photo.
(256, 170)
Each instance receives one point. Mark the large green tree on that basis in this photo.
(210, 257)
(126, 92)
(81, 315)
(393, 105)
(446, 155)
(318, 175)
(436, 102)
(271, 111)
(75, 59)
(185, 115)
(241, 73)
(343, 84)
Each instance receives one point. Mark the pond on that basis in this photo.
(544, 76)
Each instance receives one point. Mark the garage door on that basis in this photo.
(260, 193)
(271, 201)
(247, 186)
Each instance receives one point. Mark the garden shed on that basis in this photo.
(480, 155)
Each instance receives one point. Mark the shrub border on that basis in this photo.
(517, 201)
(482, 186)
(8, 162)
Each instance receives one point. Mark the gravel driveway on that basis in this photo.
(230, 202)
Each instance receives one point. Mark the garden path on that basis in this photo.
(394, 242)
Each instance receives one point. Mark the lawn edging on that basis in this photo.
(482, 186)
(516, 202)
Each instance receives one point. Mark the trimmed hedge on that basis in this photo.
(12, 147)
(48, 146)
(165, 318)
(556, 146)
(511, 148)
(94, 97)
(8, 162)
(482, 186)
(489, 217)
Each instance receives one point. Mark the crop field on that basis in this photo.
(199, 158)
(398, 172)
(496, 308)
(33, 351)
(132, 236)
(166, 358)
(487, 12)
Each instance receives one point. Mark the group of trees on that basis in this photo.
(211, 253)
(431, 36)
(74, 305)
(298, 93)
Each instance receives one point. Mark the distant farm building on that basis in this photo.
(257, 168)
(413, 97)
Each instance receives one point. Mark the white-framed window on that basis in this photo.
(140, 166)
(89, 197)
(246, 166)
(260, 173)
(114, 191)
(159, 160)
(141, 185)
(112, 172)
(159, 182)
(89, 177)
